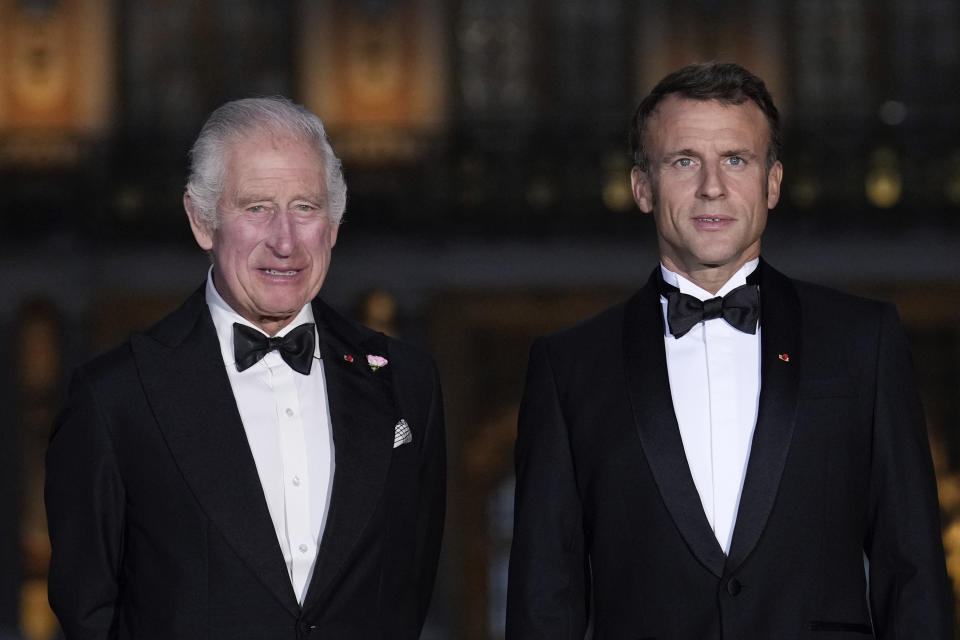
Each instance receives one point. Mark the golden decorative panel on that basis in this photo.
(376, 73)
(56, 78)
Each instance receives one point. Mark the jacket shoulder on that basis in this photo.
(410, 353)
(597, 337)
(842, 327)
(820, 294)
(174, 327)
(119, 362)
(835, 306)
(116, 364)
(826, 308)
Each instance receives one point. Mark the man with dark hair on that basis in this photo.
(726, 83)
(254, 465)
(730, 453)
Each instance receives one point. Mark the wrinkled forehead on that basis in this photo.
(678, 119)
(263, 148)
(266, 166)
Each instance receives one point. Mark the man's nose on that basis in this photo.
(281, 237)
(711, 183)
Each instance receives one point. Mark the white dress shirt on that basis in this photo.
(714, 374)
(286, 418)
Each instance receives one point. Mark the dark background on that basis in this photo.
(484, 147)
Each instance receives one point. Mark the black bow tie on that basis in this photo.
(296, 348)
(740, 308)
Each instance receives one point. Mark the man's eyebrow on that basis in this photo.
(667, 155)
(745, 153)
(317, 199)
(246, 197)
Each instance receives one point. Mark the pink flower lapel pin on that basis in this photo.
(375, 362)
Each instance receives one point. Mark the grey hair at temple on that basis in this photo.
(240, 118)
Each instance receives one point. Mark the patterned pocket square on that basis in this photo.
(402, 434)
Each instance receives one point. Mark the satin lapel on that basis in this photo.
(780, 378)
(184, 379)
(649, 386)
(363, 414)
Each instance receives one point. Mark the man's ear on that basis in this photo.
(201, 231)
(334, 232)
(642, 189)
(774, 176)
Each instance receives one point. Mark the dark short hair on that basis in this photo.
(726, 82)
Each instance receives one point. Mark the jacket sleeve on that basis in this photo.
(432, 505)
(84, 498)
(910, 595)
(548, 591)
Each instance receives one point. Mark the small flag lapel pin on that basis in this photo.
(784, 356)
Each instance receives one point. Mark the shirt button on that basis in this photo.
(296, 481)
(303, 548)
(289, 413)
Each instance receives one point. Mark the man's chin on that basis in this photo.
(715, 259)
(276, 316)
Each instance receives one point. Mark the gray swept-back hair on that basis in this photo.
(241, 118)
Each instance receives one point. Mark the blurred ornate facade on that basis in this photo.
(484, 144)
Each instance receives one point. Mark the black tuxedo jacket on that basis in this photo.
(607, 513)
(158, 522)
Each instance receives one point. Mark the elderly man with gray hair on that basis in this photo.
(254, 465)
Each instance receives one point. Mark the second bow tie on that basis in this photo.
(740, 308)
(296, 348)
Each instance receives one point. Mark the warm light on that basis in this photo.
(37, 619)
(617, 195)
(56, 79)
(951, 547)
(884, 184)
(376, 73)
(884, 188)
